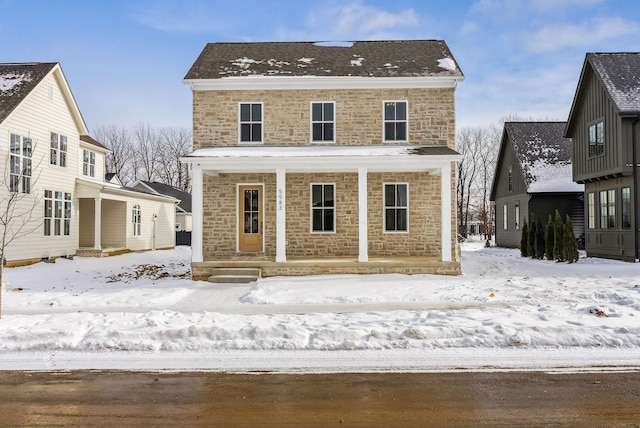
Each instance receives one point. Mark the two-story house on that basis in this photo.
(56, 173)
(533, 176)
(603, 124)
(317, 158)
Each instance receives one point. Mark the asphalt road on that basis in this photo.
(129, 399)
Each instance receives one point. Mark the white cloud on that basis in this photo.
(559, 36)
(491, 6)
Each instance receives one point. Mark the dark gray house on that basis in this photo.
(603, 125)
(533, 176)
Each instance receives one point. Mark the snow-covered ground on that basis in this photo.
(140, 311)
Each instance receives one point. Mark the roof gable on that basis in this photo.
(400, 58)
(543, 155)
(17, 81)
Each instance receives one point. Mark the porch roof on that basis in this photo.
(318, 158)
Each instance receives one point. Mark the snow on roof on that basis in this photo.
(544, 156)
(10, 80)
(620, 75)
(447, 64)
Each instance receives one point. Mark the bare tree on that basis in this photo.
(174, 143)
(146, 150)
(118, 140)
(469, 143)
(19, 215)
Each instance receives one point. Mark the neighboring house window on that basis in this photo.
(626, 208)
(323, 208)
(250, 122)
(88, 163)
(322, 122)
(510, 178)
(396, 203)
(596, 139)
(608, 209)
(591, 210)
(136, 219)
(57, 213)
(58, 150)
(395, 121)
(517, 216)
(20, 164)
(505, 224)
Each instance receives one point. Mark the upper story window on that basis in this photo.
(88, 163)
(323, 208)
(596, 139)
(395, 121)
(136, 219)
(396, 204)
(20, 164)
(58, 150)
(510, 178)
(322, 121)
(250, 122)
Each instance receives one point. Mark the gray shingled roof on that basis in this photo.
(543, 154)
(90, 140)
(17, 81)
(620, 74)
(167, 190)
(398, 58)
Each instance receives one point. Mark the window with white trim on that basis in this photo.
(505, 224)
(20, 164)
(57, 213)
(322, 121)
(323, 208)
(250, 122)
(58, 150)
(88, 163)
(596, 139)
(136, 219)
(395, 120)
(396, 207)
(517, 215)
(591, 210)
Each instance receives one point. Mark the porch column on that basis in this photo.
(281, 215)
(97, 224)
(445, 208)
(196, 214)
(363, 222)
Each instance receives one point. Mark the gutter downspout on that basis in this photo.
(635, 186)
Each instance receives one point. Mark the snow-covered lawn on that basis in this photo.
(140, 311)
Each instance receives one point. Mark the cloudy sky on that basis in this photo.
(125, 60)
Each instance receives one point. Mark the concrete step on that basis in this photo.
(234, 275)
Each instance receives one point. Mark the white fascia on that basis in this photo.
(321, 82)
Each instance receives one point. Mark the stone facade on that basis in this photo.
(358, 115)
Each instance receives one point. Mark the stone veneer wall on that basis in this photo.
(358, 115)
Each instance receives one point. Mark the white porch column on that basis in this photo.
(281, 215)
(363, 222)
(196, 214)
(97, 224)
(445, 198)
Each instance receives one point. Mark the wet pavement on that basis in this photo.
(200, 399)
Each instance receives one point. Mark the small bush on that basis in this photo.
(524, 239)
(558, 238)
(570, 244)
(549, 239)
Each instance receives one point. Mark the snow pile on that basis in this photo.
(143, 303)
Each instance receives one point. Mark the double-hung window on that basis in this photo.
(608, 209)
(58, 150)
(136, 220)
(517, 215)
(596, 139)
(323, 208)
(396, 207)
(57, 213)
(395, 121)
(20, 164)
(322, 122)
(591, 210)
(626, 207)
(250, 122)
(88, 163)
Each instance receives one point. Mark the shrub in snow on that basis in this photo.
(524, 239)
(539, 244)
(558, 238)
(549, 241)
(570, 243)
(531, 240)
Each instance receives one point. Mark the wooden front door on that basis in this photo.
(250, 218)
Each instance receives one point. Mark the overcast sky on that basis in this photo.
(125, 60)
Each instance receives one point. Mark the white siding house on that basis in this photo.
(57, 172)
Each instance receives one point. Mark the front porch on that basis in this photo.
(299, 266)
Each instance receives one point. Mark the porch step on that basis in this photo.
(234, 275)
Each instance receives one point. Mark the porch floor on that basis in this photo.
(295, 266)
(101, 252)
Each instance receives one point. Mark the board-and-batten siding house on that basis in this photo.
(533, 176)
(317, 158)
(44, 139)
(603, 124)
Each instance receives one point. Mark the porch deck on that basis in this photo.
(298, 266)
